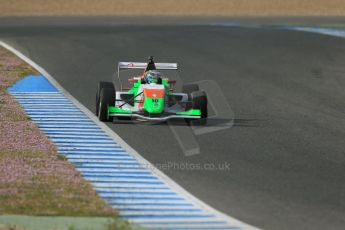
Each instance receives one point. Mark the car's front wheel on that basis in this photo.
(199, 101)
(106, 98)
(100, 86)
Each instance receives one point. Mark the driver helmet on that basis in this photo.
(152, 76)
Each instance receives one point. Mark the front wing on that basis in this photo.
(114, 111)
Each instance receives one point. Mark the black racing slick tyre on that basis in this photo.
(100, 86)
(199, 101)
(106, 98)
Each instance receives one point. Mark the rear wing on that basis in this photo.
(142, 65)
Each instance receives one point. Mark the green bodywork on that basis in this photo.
(114, 109)
(151, 105)
(154, 105)
(191, 112)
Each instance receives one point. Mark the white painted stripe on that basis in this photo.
(76, 141)
(42, 100)
(63, 122)
(171, 213)
(66, 130)
(99, 157)
(113, 165)
(50, 110)
(98, 185)
(47, 106)
(56, 115)
(40, 97)
(28, 60)
(53, 112)
(80, 135)
(138, 170)
(185, 226)
(86, 145)
(69, 126)
(123, 173)
(66, 148)
(117, 152)
(59, 133)
(171, 220)
(124, 180)
(157, 202)
(60, 119)
(102, 161)
(161, 207)
(141, 196)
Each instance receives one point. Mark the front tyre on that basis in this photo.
(106, 98)
(100, 86)
(199, 101)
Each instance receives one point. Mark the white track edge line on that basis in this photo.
(126, 146)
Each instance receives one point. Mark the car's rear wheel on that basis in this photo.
(106, 98)
(199, 101)
(100, 86)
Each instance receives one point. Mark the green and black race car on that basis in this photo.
(150, 96)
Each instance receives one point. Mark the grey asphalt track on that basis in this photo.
(286, 149)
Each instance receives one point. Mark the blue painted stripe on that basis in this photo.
(97, 154)
(105, 163)
(131, 188)
(57, 115)
(180, 222)
(81, 138)
(115, 151)
(62, 119)
(114, 147)
(62, 109)
(32, 84)
(126, 182)
(46, 103)
(139, 193)
(125, 172)
(57, 123)
(160, 209)
(98, 131)
(151, 204)
(106, 167)
(100, 159)
(87, 175)
(62, 142)
(140, 198)
(75, 134)
(69, 126)
(44, 100)
(81, 156)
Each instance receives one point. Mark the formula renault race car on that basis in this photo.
(149, 96)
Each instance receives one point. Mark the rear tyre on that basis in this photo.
(106, 98)
(100, 86)
(199, 101)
